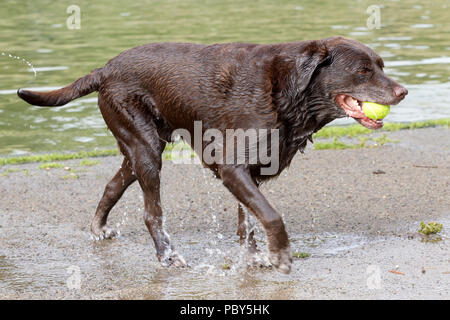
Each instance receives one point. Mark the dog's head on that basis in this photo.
(346, 73)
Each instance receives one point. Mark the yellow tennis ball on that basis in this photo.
(375, 111)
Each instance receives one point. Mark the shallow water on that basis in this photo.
(37, 50)
(125, 268)
(44, 230)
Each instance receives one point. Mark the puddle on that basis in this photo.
(35, 267)
(38, 261)
(330, 244)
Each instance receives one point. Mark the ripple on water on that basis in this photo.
(422, 26)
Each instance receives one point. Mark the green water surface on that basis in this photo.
(413, 39)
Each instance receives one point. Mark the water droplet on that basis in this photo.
(23, 60)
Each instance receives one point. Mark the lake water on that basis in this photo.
(38, 50)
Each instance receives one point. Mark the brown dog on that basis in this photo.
(147, 92)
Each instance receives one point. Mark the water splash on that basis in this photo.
(213, 252)
(249, 223)
(28, 63)
(121, 175)
(122, 222)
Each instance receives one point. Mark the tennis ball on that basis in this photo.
(375, 111)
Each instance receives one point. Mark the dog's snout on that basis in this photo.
(400, 92)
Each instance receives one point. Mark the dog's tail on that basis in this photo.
(83, 86)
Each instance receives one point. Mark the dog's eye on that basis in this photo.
(364, 70)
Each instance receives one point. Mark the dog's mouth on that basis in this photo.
(353, 108)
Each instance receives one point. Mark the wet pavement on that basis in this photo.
(359, 229)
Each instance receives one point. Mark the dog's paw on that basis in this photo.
(104, 232)
(173, 259)
(281, 260)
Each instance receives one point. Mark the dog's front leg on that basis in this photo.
(239, 181)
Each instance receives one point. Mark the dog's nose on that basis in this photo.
(400, 91)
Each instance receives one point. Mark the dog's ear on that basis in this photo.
(310, 58)
(295, 72)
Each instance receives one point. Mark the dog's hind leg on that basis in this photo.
(246, 223)
(148, 165)
(245, 230)
(134, 127)
(113, 192)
